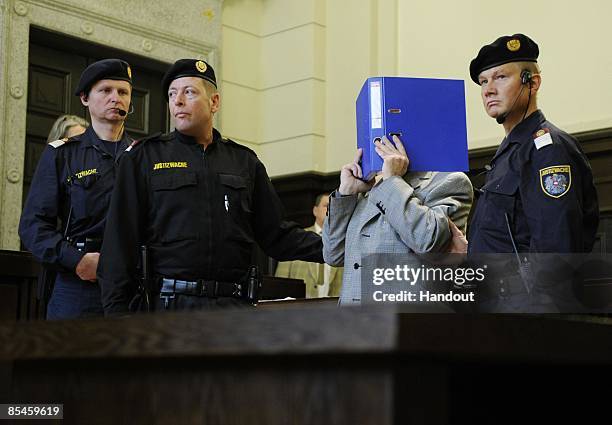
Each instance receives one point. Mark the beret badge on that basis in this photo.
(200, 66)
(513, 45)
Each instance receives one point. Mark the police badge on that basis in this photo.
(556, 180)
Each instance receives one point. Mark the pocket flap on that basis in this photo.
(173, 181)
(232, 180)
(507, 185)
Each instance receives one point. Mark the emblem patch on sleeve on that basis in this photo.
(556, 180)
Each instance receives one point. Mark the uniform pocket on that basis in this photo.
(506, 185)
(90, 195)
(176, 218)
(236, 194)
(501, 197)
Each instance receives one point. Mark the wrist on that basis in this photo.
(343, 191)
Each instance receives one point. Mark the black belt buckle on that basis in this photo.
(167, 291)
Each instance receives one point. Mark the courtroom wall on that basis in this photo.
(290, 70)
(296, 66)
(273, 84)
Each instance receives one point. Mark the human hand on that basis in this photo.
(458, 243)
(87, 267)
(395, 159)
(350, 175)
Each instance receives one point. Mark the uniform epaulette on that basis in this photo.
(238, 145)
(137, 142)
(60, 142)
(542, 138)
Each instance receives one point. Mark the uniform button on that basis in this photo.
(497, 187)
(356, 266)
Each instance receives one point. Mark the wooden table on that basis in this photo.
(305, 363)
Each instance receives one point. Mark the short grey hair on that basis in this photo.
(209, 87)
(532, 67)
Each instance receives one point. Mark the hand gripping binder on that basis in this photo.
(427, 114)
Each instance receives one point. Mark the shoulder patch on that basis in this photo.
(238, 145)
(542, 138)
(556, 180)
(57, 143)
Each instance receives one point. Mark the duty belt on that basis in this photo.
(201, 288)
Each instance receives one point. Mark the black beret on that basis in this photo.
(188, 68)
(106, 69)
(506, 49)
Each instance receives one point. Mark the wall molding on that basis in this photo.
(267, 35)
(276, 86)
(160, 34)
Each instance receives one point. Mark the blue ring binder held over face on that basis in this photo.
(427, 114)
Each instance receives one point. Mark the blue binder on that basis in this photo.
(427, 114)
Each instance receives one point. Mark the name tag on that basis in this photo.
(86, 173)
(161, 165)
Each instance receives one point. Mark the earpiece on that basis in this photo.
(525, 77)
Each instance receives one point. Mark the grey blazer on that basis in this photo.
(417, 208)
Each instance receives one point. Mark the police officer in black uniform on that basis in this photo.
(63, 220)
(199, 202)
(539, 195)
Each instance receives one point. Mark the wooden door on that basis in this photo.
(55, 65)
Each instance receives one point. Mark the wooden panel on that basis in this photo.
(18, 281)
(298, 193)
(219, 391)
(318, 329)
(137, 122)
(243, 331)
(307, 366)
(280, 287)
(9, 301)
(49, 90)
